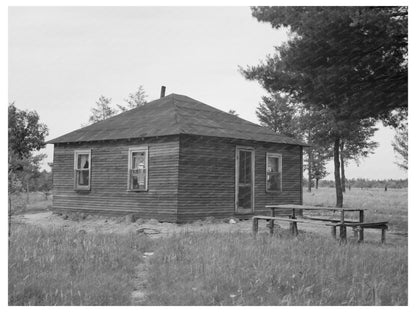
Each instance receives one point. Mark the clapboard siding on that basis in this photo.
(207, 176)
(190, 177)
(109, 168)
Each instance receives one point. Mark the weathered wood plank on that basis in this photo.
(109, 167)
(207, 176)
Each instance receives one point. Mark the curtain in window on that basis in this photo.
(83, 175)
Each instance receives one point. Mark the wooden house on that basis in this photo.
(175, 159)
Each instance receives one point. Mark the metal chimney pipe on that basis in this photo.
(162, 91)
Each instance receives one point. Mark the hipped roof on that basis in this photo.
(172, 115)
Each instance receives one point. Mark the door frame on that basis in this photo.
(251, 149)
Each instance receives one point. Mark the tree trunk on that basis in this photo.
(310, 169)
(338, 188)
(27, 191)
(341, 154)
(10, 217)
(316, 183)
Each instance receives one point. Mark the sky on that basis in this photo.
(61, 59)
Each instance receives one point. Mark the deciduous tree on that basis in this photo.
(26, 135)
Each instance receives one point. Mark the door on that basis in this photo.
(244, 187)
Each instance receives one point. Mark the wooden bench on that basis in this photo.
(293, 222)
(357, 226)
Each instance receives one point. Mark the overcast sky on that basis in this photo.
(62, 59)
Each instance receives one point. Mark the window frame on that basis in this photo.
(280, 157)
(130, 158)
(237, 176)
(78, 187)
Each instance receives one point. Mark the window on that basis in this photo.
(138, 169)
(273, 172)
(82, 169)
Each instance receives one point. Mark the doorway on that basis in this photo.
(244, 177)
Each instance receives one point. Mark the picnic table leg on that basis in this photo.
(295, 228)
(361, 231)
(334, 231)
(271, 223)
(255, 226)
(342, 228)
(292, 225)
(355, 230)
(343, 232)
(383, 235)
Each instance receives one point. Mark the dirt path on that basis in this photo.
(119, 225)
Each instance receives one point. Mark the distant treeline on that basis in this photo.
(364, 183)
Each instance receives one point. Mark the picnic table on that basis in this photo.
(294, 211)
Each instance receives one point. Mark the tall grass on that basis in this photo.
(65, 267)
(380, 205)
(214, 268)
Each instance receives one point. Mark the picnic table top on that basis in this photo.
(306, 207)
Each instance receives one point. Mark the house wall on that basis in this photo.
(207, 176)
(109, 167)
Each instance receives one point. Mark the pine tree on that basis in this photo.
(102, 111)
(400, 145)
(349, 63)
(135, 99)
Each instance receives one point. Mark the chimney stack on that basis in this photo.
(162, 91)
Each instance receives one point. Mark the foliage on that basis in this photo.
(135, 99)
(102, 111)
(368, 183)
(400, 145)
(278, 113)
(358, 143)
(350, 60)
(26, 132)
(348, 63)
(65, 267)
(319, 158)
(232, 112)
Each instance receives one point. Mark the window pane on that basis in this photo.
(273, 181)
(83, 161)
(138, 179)
(138, 160)
(273, 164)
(245, 167)
(83, 177)
(248, 167)
(244, 197)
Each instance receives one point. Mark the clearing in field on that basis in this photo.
(110, 261)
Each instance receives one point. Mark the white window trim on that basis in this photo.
(76, 153)
(138, 149)
(280, 157)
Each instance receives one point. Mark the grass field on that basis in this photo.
(63, 266)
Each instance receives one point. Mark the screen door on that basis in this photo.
(244, 180)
